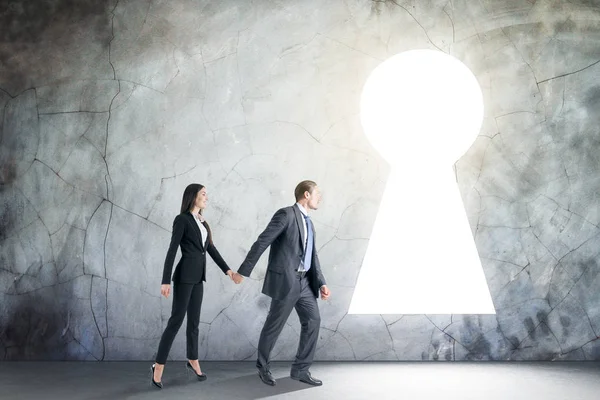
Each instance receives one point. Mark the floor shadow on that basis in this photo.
(183, 386)
(251, 387)
(141, 387)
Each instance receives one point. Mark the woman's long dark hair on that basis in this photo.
(189, 196)
(187, 203)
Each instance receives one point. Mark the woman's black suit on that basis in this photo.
(189, 274)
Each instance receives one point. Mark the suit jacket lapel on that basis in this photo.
(197, 229)
(300, 223)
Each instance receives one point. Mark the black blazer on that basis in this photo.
(192, 266)
(285, 235)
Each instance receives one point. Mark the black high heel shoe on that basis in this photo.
(201, 377)
(157, 384)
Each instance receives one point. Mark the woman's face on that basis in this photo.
(201, 199)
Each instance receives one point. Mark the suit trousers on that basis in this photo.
(187, 298)
(302, 298)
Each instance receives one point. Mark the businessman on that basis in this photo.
(293, 280)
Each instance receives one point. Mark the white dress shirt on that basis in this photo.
(203, 230)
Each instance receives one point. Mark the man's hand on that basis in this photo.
(325, 292)
(230, 274)
(165, 290)
(237, 278)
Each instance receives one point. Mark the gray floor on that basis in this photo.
(345, 380)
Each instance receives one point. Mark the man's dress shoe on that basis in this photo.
(266, 377)
(306, 378)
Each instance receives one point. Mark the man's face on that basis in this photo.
(314, 198)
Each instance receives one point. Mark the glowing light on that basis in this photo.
(421, 110)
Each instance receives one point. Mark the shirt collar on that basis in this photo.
(302, 209)
(201, 219)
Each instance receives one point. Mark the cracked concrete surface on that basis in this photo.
(109, 109)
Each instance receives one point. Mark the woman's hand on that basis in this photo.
(165, 290)
(237, 278)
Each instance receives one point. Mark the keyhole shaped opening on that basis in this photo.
(421, 110)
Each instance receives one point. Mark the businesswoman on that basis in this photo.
(192, 233)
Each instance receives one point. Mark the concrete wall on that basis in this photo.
(110, 109)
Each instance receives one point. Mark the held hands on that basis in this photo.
(237, 278)
(165, 290)
(325, 292)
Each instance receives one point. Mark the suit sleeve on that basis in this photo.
(216, 256)
(178, 229)
(320, 277)
(275, 227)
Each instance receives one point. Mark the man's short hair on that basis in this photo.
(304, 186)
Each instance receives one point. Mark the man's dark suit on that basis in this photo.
(189, 274)
(287, 288)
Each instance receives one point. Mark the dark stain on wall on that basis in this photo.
(586, 139)
(530, 326)
(34, 331)
(38, 322)
(28, 27)
(592, 103)
(481, 347)
(589, 3)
